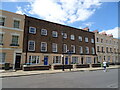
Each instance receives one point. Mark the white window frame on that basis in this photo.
(54, 47)
(65, 48)
(45, 47)
(1, 38)
(17, 41)
(14, 24)
(75, 60)
(44, 32)
(73, 51)
(37, 59)
(54, 33)
(72, 37)
(2, 57)
(88, 60)
(92, 40)
(3, 21)
(93, 50)
(86, 39)
(34, 30)
(80, 38)
(64, 35)
(81, 49)
(87, 50)
(29, 45)
(55, 61)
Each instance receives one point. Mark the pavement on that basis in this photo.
(13, 73)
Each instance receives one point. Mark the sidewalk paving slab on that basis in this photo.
(18, 73)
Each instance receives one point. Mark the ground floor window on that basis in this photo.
(2, 58)
(108, 58)
(56, 59)
(34, 59)
(95, 60)
(99, 59)
(116, 58)
(74, 60)
(88, 60)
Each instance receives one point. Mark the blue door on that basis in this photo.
(66, 60)
(45, 60)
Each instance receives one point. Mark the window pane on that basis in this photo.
(1, 38)
(74, 60)
(87, 50)
(80, 38)
(54, 34)
(34, 59)
(32, 30)
(54, 47)
(56, 59)
(2, 21)
(64, 48)
(88, 60)
(31, 45)
(44, 46)
(2, 58)
(73, 48)
(93, 50)
(92, 40)
(86, 39)
(72, 37)
(43, 32)
(15, 39)
(16, 24)
(81, 50)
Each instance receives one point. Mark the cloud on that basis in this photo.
(19, 10)
(115, 32)
(63, 11)
(14, 0)
(88, 24)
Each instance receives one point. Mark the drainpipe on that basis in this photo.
(27, 41)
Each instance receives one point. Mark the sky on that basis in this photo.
(95, 14)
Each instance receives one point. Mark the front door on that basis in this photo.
(45, 60)
(94, 60)
(66, 60)
(17, 61)
(81, 60)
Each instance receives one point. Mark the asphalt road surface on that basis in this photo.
(87, 79)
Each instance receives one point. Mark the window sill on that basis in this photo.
(16, 27)
(43, 51)
(14, 45)
(2, 63)
(31, 50)
(54, 51)
(43, 35)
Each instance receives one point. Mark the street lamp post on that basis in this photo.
(69, 54)
(62, 62)
(62, 51)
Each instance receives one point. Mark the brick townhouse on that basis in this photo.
(11, 38)
(46, 43)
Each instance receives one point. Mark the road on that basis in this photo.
(87, 79)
